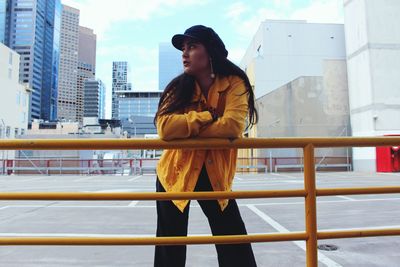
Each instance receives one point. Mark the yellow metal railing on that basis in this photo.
(310, 192)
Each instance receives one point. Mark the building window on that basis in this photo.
(23, 117)
(16, 131)
(8, 131)
(10, 58)
(10, 74)
(259, 51)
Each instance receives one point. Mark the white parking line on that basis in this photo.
(135, 178)
(85, 179)
(301, 244)
(389, 173)
(238, 178)
(133, 203)
(3, 208)
(284, 175)
(347, 198)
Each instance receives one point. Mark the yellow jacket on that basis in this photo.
(179, 169)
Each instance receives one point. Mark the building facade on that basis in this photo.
(169, 64)
(373, 61)
(34, 32)
(67, 78)
(282, 51)
(14, 100)
(309, 106)
(137, 111)
(4, 20)
(120, 82)
(86, 66)
(94, 99)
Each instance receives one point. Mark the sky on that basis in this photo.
(131, 30)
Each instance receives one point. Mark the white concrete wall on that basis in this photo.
(282, 51)
(372, 30)
(307, 106)
(14, 100)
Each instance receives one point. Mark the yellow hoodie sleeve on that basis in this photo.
(174, 126)
(232, 123)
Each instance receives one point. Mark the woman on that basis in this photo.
(212, 98)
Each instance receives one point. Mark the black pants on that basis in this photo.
(172, 222)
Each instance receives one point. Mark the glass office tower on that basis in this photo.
(34, 32)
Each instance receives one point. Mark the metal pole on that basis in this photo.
(310, 206)
(270, 160)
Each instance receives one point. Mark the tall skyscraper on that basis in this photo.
(4, 19)
(67, 79)
(119, 83)
(169, 64)
(34, 32)
(86, 66)
(94, 99)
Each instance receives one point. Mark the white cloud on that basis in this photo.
(247, 23)
(100, 14)
(235, 10)
(322, 11)
(246, 28)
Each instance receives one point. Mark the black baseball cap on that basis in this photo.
(205, 35)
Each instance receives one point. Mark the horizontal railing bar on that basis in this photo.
(149, 195)
(358, 233)
(193, 195)
(195, 143)
(358, 191)
(227, 239)
(123, 241)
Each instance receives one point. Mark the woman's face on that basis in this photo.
(195, 58)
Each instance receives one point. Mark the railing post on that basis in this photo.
(310, 206)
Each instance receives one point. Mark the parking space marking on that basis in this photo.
(85, 178)
(301, 244)
(135, 178)
(238, 178)
(284, 175)
(347, 198)
(133, 203)
(390, 173)
(3, 208)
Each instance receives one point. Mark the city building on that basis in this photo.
(14, 100)
(282, 51)
(94, 99)
(86, 66)
(67, 78)
(69, 161)
(373, 62)
(85, 72)
(169, 64)
(4, 20)
(34, 32)
(309, 106)
(137, 110)
(120, 82)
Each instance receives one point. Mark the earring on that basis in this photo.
(212, 70)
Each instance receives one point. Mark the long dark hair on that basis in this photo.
(179, 92)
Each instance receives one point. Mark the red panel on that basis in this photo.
(388, 158)
(383, 159)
